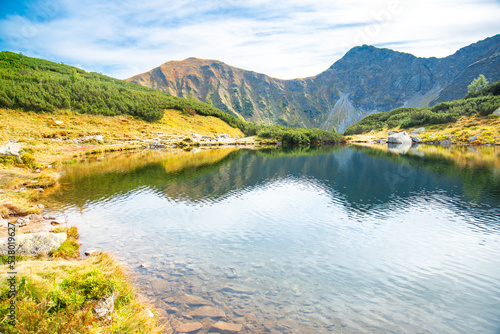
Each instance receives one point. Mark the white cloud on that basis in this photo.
(297, 38)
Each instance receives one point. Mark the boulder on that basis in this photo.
(11, 149)
(390, 133)
(34, 243)
(400, 138)
(419, 130)
(415, 138)
(475, 137)
(497, 112)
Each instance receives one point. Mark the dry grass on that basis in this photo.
(52, 141)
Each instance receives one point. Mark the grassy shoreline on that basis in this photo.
(468, 130)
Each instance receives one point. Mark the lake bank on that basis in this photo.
(468, 130)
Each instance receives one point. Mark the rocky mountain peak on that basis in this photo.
(367, 79)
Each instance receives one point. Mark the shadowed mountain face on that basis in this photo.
(366, 80)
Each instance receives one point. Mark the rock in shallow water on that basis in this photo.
(226, 327)
(189, 327)
(207, 312)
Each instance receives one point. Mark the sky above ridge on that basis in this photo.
(284, 39)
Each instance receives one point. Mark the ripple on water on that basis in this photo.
(302, 255)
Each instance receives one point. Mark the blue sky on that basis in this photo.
(284, 39)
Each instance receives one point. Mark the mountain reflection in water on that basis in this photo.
(305, 240)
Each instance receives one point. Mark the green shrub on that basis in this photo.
(29, 161)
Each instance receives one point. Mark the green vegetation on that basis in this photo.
(39, 85)
(482, 103)
(289, 135)
(70, 249)
(56, 295)
(477, 84)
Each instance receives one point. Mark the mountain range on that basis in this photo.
(366, 80)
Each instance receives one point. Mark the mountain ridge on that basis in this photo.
(367, 79)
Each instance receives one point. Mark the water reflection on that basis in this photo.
(335, 239)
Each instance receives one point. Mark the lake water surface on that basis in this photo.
(336, 239)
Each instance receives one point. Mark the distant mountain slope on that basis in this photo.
(366, 80)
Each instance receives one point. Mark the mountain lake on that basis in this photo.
(334, 239)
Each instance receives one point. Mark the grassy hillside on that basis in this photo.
(39, 85)
(482, 103)
(48, 141)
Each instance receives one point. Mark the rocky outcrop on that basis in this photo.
(366, 80)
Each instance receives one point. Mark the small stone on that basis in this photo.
(171, 309)
(57, 222)
(144, 265)
(91, 252)
(104, 308)
(189, 327)
(233, 288)
(169, 300)
(226, 327)
(192, 300)
(149, 313)
(207, 312)
(475, 137)
(40, 206)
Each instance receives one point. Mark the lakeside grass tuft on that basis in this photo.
(58, 295)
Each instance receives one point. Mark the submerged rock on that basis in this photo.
(192, 300)
(189, 327)
(207, 312)
(225, 327)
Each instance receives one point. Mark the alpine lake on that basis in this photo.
(333, 239)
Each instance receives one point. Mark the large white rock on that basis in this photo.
(400, 138)
(11, 149)
(33, 243)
